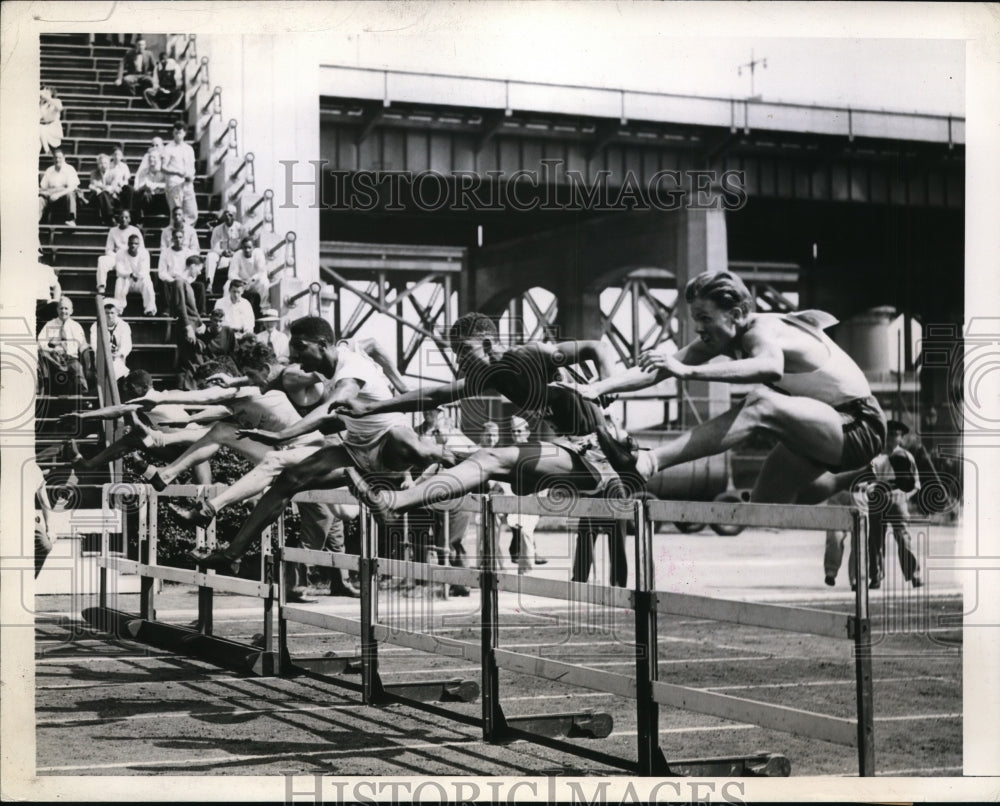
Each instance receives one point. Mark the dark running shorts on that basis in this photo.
(864, 433)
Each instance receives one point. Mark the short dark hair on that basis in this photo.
(723, 288)
(192, 259)
(138, 380)
(312, 328)
(133, 237)
(222, 363)
(470, 326)
(246, 239)
(179, 124)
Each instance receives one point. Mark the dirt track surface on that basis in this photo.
(106, 706)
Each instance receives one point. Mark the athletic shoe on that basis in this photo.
(297, 596)
(831, 581)
(622, 455)
(200, 515)
(341, 588)
(917, 582)
(458, 590)
(875, 584)
(541, 561)
(217, 560)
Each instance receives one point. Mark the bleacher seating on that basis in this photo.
(97, 117)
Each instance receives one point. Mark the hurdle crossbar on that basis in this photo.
(778, 516)
(776, 717)
(774, 617)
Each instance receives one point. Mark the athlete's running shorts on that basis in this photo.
(864, 433)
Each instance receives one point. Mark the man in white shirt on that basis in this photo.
(57, 191)
(101, 189)
(62, 345)
(120, 175)
(189, 235)
(250, 265)
(238, 312)
(175, 270)
(119, 335)
(149, 180)
(118, 238)
(271, 335)
(132, 276)
(225, 241)
(178, 170)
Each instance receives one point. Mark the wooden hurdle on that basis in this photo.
(144, 625)
(644, 601)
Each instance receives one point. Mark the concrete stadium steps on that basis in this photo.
(144, 131)
(90, 235)
(82, 151)
(54, 62)
(54, 74)
(97, 117)
(147, 330)
(118, 114)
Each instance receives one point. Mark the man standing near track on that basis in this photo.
(571, 456)
(810, 394)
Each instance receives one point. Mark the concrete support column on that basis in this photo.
(701, 247)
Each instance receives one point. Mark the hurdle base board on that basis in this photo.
(760, 765)
(321, 665)
(571, 725)
(241, 658)
(452, 690)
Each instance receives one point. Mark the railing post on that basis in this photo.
(102, 594)
(863, 648)
(493, 719)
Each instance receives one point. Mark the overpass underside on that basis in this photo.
(585, 227)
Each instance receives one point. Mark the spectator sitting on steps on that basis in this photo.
(225, 241)
(166, 90)
(57, 191)
(119, 336)
(135, 71)
(238, 312)
(132, 274)
(118, 238)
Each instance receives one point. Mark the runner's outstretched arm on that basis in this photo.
(415, 400)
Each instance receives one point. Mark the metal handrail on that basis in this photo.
(233, 144)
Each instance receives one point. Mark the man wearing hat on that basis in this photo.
(271, 335)
(224, 243)
(896, 482)
(119, 334)
(238, 312)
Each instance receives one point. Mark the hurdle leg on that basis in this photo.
(148, 529)
(651, 760)
(372, 692)
(267, 567)
(205, 594)
(494, 723)
(863, 648)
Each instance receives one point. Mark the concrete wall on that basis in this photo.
(272, 91)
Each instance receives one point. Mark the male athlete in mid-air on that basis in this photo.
(569, 452)
(811, 395)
